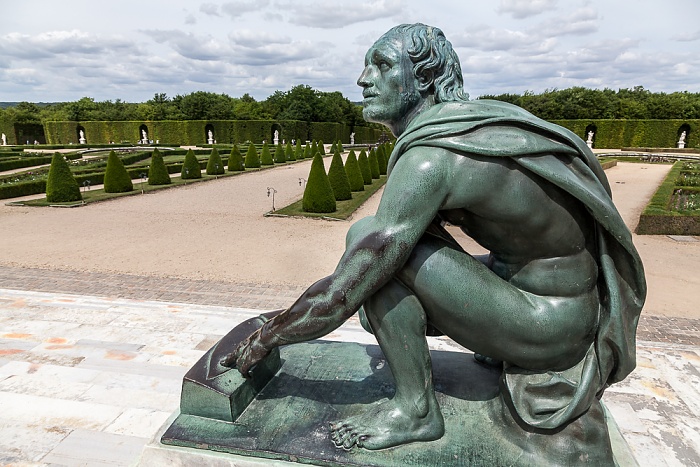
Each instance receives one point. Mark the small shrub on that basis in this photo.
(339, 179)
(157, 171)
(252, 161)
(299, 151)
(373, 164)
(334, 148)
(352, 168)
(340, 146)
(318, 194)
(321, 148)
(215, 166)
(366, 172)
(235, 161)
(265, 156)
(279, 155)
(307, 151)
(289, 152)
(382, 160)
(61, 187)
(190, 168)
(117, 179)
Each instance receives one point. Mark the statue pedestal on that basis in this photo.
(286, 419)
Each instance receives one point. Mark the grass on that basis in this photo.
(344, 209)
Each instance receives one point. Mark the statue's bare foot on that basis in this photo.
(388, 424)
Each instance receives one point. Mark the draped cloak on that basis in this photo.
(550, 399)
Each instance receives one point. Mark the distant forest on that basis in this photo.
(306, 104)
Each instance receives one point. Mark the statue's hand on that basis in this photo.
(248, 354)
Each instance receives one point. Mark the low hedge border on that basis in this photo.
(658, 219)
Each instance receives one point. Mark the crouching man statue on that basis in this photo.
(557, 299)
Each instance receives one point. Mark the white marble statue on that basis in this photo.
(4, 140)
(210, 137)
(144, 137)
(277, 137)
(681, 140)
(589, 141)
(352, 138)
(82, 139)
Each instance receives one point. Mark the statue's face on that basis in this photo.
(389, 85)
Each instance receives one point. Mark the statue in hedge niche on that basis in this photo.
(556, 300)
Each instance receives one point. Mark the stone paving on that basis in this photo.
(91, 365)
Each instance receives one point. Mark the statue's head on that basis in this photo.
(408, 69)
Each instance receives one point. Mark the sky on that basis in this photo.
(52, 51)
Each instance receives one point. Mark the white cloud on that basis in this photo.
(329, 15)
(48, 44)
(581, 21)
(240, 7)
(520, 9)
(687, 36)
(210, 9)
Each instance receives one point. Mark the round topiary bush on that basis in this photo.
(279, 155)
(157, 171)
(215, 166)
(373, 163)
(352, 168)
(318, 195)
(235, 160)
(190, 168)
(117, 179)
(265, 156)
(61, 187)
(366, 172)
(339, 179)
(252, 161)
(289, 152)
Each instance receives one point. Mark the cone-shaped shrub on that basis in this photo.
(321, 148)
(340, 146)
(289, 152)
(307, 151)
(352, 168)
(265, 156)
(190, 168)
(334, 148)
(314, 148)
(373, 164)
(235, 160)
(318, 195)
(299, 151)
(279, 155)
(339, 178)
(157, 172)
(252, 161)
(117, 179)
(61, 187)
(366, 172)
(215, 166)
(382, 160)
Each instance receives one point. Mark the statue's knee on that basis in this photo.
(356, 229)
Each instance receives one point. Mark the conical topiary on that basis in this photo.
(382, 160)
(279, 155)
(190, 168)
(321, 148)
(289, 152)
(252, 161)
(307, 151)
(117, 179)
(314, 148)
(334, 148)
(318, 195)
(235, 160)
(61, 187)
(265, 156)
(215, 166)
(157, 171)
(366, 172)
(352, 168)
(339, 179)
(299, 151)
(373, 164)
(340, 146)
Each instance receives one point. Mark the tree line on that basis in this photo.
(623, 104)
(300, 103)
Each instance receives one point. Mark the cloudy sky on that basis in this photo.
(131, 49)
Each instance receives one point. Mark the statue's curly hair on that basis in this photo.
(435, 63)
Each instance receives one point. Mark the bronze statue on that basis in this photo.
(557, 299)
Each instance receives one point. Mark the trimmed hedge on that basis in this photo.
(157, 172)
(617, 134)
(116, 178)
(366, 172)
(289, 152)
(265, 156)
(215, 166)
(318, 194)
(191, 168)
(279, 155)
(373, 163)
(235, 161)
(252, 161)
(658, 218)
(61, 187)
(352, 168)
(339, 179)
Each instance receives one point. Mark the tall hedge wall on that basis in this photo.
(616, 134)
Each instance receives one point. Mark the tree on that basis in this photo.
(363, 162)
(117, 179)
(339, 179)
(157, 171)
(352, 168)
(265, 156)
(215, 166)
(190, 168)
(373, 163)
(289, 152)
(279, 155)
(235, 161)
(252, 161)
(61, 187)
(318, 194)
